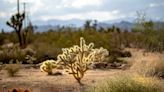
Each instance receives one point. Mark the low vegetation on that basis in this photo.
(48, 66)
(150, 68)
(12, 69)
(56, 48)
(127, 83)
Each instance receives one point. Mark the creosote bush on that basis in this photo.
(12, 69)
(14, 53)
(150, 68)
(128, 83)
(77, 59)
(48, 66)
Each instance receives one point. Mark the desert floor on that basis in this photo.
(38, 81)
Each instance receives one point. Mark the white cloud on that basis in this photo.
(2, 14)
(81, 3)
(37, 5)
(10, 1)
(70, 9)
(32, 5)
(155, 4)
(99, 15)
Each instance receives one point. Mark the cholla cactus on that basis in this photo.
(48, 65)
(77, 59)
(100, 54)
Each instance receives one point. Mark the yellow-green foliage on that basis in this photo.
(77, 59)
(12, 69)
(150, 68)
(128, 83)
(100, 54)
(48, 65)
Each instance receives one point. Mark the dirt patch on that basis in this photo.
(38, 81)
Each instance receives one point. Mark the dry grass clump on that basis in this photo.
(122, 83)
(150, 68)
(12, 69)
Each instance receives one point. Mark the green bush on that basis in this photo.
(127, 84)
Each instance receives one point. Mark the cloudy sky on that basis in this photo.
(101, 10)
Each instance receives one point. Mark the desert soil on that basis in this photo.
(38, 81)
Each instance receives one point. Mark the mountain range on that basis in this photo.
(42, 26)
(53, 24)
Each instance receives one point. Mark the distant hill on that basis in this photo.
(72, 22)
(54, 24)
(43, 28)
(122, 25)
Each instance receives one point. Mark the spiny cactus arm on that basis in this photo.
(71, 69)
(82, 44)
(80, 73)
(75, 72)
(48, 65)
(64, 61)
(100, 54)
(67, 64)
(42, 68)
(90, 46)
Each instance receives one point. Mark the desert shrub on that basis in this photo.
(48, 66)
(45, 51)
(77, 59)
(126, 54)
(99, 65)
(120, 53)
(12, 69)
(114, 59)
(30, 59)
(116, 55)
(127, 83)
(159, 68)
(150, 68)
(14, 54)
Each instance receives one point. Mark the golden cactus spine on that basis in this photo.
(77, 59)
(48, 66)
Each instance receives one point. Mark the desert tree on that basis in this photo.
(16, 22)
(87, 25)
(95, 24)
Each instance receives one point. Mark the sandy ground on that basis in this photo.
(39, 81)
